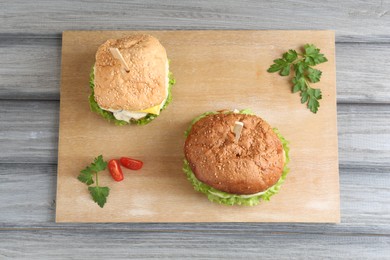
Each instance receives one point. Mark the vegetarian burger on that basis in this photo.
(232, 170)
(135, 87)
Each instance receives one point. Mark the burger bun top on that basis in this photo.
(144, 86)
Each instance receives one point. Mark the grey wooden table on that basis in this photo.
(30, 49)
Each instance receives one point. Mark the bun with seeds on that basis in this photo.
(138, 93)
(230, 172)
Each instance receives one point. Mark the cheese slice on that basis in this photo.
(152, 110)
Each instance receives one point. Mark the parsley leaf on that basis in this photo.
(301, 64)
(290, 56)
(86, 176)
(313, 56)
(283, 65)
(279, 65)
(99, 194)
(99, 164)
(313, 96)
(313, 75)
(299, 84)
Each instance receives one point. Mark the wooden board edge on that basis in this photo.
(57, 220)
(64, 35)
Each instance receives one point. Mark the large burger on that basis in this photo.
(137, 92)
(235, 171)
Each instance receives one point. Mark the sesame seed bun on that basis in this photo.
(250, 166)
(144, 86)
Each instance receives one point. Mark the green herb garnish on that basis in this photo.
(99, 194)
(301, 64)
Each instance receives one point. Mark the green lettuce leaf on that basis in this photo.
(221, 197)
(109, 116)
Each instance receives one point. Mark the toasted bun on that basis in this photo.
(144, 86)
(250, 166)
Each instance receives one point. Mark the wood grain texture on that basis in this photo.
(37, 75)
(363, 133)
(214, 70)
(93, 244)
(372, 18)
(364, 231)
(364, 193)
(28, 192)
(29, 131)
(30, 68)
(363, 73)
(364, 205)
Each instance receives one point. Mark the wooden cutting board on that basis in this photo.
(214, 70)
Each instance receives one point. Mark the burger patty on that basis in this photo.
(251, 165)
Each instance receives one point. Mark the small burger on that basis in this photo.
(235, 168)
(132, 84)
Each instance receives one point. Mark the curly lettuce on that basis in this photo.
(109, 116)
(225, 198)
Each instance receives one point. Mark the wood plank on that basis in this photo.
(371, 17)
(37, 75)
(30, 205)
(81, 244)
(365, 193)
(364, 135)
(27, 193)
(363, 73)
(363, 210)
(84, 135)
(30, 68)
(362, 130)
(29, 131)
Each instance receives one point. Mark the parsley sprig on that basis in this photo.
(301, 64)
(99, 194)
